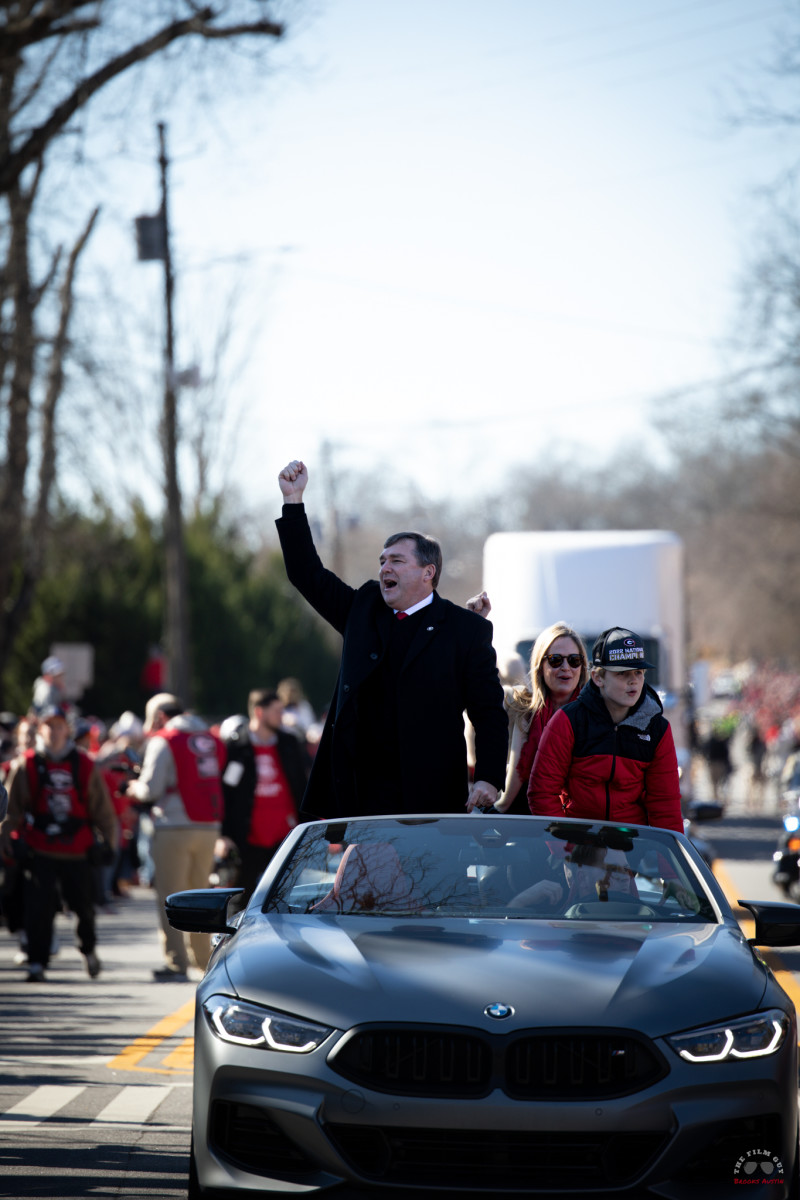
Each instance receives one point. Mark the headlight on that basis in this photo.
(250, 1025)
(747, 1037)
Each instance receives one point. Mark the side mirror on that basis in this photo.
(204, 910)
(777, 924)
(704, 810)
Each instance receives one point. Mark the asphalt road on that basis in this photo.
(95, 1075)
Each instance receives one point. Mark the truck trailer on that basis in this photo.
(593, 580)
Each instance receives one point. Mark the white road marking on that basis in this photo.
(133, 1105)
(66, 1063)
(42, 1103)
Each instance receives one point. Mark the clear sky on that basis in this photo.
(466, 234)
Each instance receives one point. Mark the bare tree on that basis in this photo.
(56, 58)
(736, 440)
(67, 28)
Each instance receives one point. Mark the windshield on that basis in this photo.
(475, 867)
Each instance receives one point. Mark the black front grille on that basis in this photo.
(248, 1138)
(547, 1065)
(417, 1063)
(579, 1066)
(478, 1159)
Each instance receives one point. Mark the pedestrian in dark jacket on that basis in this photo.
(610, 755)
(263, 784)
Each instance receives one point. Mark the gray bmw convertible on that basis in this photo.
(512, 1006)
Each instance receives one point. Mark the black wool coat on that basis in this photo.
(450, 668)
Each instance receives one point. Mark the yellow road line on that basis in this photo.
(168, 1026)
(182, 1058)
(784, 977)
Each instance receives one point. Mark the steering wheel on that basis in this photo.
(621, 907)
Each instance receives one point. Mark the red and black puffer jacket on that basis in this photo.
(586, 766)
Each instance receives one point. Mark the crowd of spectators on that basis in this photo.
(49, 818)
(751, 720)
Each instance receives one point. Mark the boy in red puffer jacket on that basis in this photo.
(610, 755)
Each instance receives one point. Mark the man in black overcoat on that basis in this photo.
(394, 735)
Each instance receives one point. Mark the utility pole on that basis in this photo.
(176, 576)
(334, 530)
(152, 236)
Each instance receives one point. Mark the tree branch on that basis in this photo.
(55, 384)
(52, 20)
(269, 28)
(35, 144)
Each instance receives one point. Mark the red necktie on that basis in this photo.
(401, 616)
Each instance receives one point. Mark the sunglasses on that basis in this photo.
(555, 660)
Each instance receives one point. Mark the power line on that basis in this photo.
(414, 295)
(497, 417)
(622, 52)
(583, 34)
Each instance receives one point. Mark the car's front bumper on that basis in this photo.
(276, 1121)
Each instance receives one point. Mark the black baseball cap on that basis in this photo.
(619, 650)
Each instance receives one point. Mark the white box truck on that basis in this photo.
(592, 580)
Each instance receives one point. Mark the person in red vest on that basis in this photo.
(180, 783)
(58, 802)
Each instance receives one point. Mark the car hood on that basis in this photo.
(342, 971)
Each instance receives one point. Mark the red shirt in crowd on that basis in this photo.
(273, 807)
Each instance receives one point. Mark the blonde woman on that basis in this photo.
(559, 669)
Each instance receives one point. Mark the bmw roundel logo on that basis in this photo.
(499, 1011)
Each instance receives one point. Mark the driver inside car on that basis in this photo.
(591, 872)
